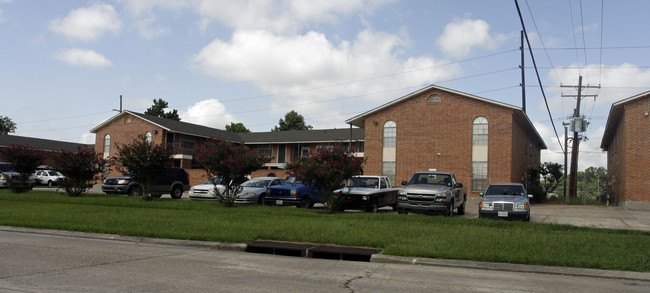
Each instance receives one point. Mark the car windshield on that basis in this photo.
(431, 179)
(52, 173)
(293, 180)
(256, 183)
(517, 190)
(363, 182)
(213, 181)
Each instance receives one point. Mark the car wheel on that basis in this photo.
(305, 203)
(49, 183)
(461, 209)
(133, 191)
(373, 207)
(450, 210)
(177, 192)
(260, 199)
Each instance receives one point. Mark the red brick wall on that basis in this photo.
(426, 130)
(636, 151)
(122, 132)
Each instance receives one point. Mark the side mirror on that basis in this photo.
(458, 185)
(530, 196)
(404, 183)
(481, 194)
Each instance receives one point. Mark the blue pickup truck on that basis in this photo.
(293, 192)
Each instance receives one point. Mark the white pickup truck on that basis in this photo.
(368, 192)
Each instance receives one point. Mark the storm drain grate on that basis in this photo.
(312, 250)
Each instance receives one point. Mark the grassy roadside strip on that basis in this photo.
(401, 235)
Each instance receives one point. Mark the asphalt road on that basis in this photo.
(59, 261)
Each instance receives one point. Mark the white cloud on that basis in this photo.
(83, 58)
(148, 29)
(89, 23)
(460, 36)
(210, 112)
(278, 16)
(308, 69)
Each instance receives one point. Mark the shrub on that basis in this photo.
(232, 162)
(143, 161)
(327, 169)
(25, 160)
(80, 168)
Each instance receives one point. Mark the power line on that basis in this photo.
(539, 80)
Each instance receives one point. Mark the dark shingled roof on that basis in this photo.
(303, 136)
(292, 136)
(189, 128)
(41, 144)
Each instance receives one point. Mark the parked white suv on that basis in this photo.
(48, 177)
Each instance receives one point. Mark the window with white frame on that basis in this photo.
(107, 145)
(479, 154)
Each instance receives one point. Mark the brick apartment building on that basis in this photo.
(626, 140)
(480, 140)
(182, 138)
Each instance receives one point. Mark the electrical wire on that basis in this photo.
(539, 80)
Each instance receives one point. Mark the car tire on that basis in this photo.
(177, 192)
(50, 183)
(373, 207)
(450, 210)
(133, 191)
(461, 209)
(305, 203)
(261, 200)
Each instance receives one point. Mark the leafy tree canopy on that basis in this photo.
(237, 127)
(327, 168)
(230, 162)
(142, 161)
(6, 125)
(80, 169)
(158, 109)
(25, 160)
(292, 121)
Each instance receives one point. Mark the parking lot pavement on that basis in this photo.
(611, 217)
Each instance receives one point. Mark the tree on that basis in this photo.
(292, 121)
(80, 168)
(231, 162)
(237, 127)
(6, 125)
(158, 109)
(327, 168)
(24, 160)
(143, 161)
(551, 175)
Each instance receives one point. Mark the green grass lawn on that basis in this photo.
(401, 235)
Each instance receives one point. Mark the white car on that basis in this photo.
(48, 177)
(253, 190)
(205, 191)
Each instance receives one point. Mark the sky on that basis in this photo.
(65, 64)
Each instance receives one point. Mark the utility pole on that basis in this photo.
(578, 124)
(523, 76)
(120, 110)
(566, 152)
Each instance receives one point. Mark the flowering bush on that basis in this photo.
(142, 161)
(327, 169)
(25, 160)
(80, 168)
(232, 162)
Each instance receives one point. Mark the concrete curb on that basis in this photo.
(375, 258)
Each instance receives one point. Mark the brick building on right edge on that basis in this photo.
(627, 142)
(480, 140)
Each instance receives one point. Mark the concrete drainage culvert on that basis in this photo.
(312, 250)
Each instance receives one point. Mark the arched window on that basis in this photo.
(479, 154)
(107, 145)
(389, 150)
(148, 136)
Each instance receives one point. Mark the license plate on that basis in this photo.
(502, 214)
(278, 202)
